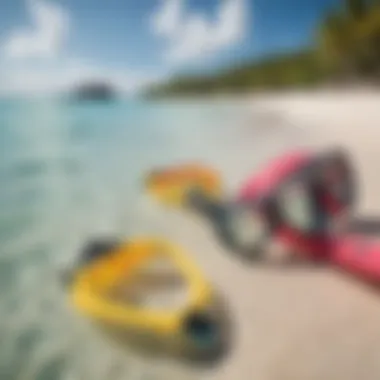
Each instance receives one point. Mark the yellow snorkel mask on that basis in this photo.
(115, 284)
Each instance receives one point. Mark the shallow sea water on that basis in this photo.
(69, 172)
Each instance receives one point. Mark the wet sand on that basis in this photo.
(297, 323)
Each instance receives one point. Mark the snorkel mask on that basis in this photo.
(300, 197)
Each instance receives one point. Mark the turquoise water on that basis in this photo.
(68, 172)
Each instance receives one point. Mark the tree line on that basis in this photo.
(345, 48)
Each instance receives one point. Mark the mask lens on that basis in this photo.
(246, 226)
(296, 205)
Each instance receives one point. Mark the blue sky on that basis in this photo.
(48, 44)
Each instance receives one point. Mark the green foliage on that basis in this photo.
(346, 47)
(348, 40)
(357, 8)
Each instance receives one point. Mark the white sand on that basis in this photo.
(297, 324)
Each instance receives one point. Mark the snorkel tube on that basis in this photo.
(198, 189)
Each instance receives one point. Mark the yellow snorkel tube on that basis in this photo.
(106, 283)
(176, 186)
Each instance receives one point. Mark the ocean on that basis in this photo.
(70, 172)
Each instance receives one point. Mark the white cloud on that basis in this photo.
(166, 20)
(34, 64)
(192, 36)
(46, 37)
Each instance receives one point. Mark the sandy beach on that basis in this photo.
(300, 323)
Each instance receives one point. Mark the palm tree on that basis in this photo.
(333, 41)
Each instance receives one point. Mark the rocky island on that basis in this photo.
(94, 91)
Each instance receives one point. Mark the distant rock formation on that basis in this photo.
(97, 91)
